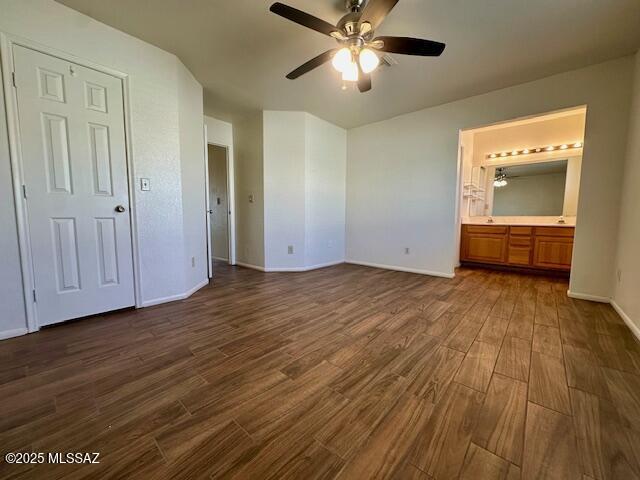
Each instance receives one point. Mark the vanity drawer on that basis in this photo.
(519, 256)
(520, 241)
(486, 229)
(521, 230)
(555, 231)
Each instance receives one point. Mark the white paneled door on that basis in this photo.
(72, 141)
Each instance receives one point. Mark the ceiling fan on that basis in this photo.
(356, 56)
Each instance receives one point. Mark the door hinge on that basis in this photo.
(34, 296)
(13, 79)
(24, 191)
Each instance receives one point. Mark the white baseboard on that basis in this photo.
(221, 259)
(16, 332)
(197, 287)
(303, 269)
(290, 269)
(586, 296)
(402, 269)
(174, 298)
(635, 329)
(251, 266)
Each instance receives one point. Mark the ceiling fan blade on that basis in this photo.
(303, 18)
(375, 11)
(410, 46)
(311, 64)
(364, 80)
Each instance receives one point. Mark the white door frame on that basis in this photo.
(7, 43)
(207, 206)
(231, 214)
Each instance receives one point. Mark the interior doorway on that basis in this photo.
(519, 185)
(219, 238)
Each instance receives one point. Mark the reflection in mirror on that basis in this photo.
(543, 188)
(536, 189)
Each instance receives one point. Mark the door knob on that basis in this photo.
(120, 209)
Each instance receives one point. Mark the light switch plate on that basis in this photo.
(145, 184)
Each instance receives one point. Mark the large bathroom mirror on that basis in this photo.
(536, 189)
(533, 189)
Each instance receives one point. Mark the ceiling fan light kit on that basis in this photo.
(358, 52)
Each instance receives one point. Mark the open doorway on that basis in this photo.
(219, 240)
(519, 189)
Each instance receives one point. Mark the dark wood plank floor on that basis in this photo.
(345, 372)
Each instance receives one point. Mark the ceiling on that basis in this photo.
(240, 52)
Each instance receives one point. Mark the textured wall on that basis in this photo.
(628, 261)
(249, 181)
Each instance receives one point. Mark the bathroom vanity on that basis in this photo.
(534, 247)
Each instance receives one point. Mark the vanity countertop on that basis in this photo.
(518, 224)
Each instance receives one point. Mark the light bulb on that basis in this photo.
(550, 148)
(342, 59)
(525, 151)
(350, 73)
(503, 154)
(369, 61)
(515, 152)
(493, 155)
(564, 146)
(577, 145)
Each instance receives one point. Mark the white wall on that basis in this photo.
(626, 294)
(249, 180)
(325, 192)
(572, 187)
(284, 188)
(193, 172)
(549, 130)
(221, 133)
(304, 191)
(401, 173)
(161, 134)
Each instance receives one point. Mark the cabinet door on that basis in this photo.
(485, 248)
(553, 252)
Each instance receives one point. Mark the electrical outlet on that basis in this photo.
(193, 262)
(619, 275)
(145, 184)
(406, 250)
(251, 199)
(290, 249)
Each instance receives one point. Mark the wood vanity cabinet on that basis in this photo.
(485, 244)
(540, 248)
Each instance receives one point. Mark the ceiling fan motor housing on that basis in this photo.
(349, 23)
(354, 5)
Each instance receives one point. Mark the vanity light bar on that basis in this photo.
(528, 151)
